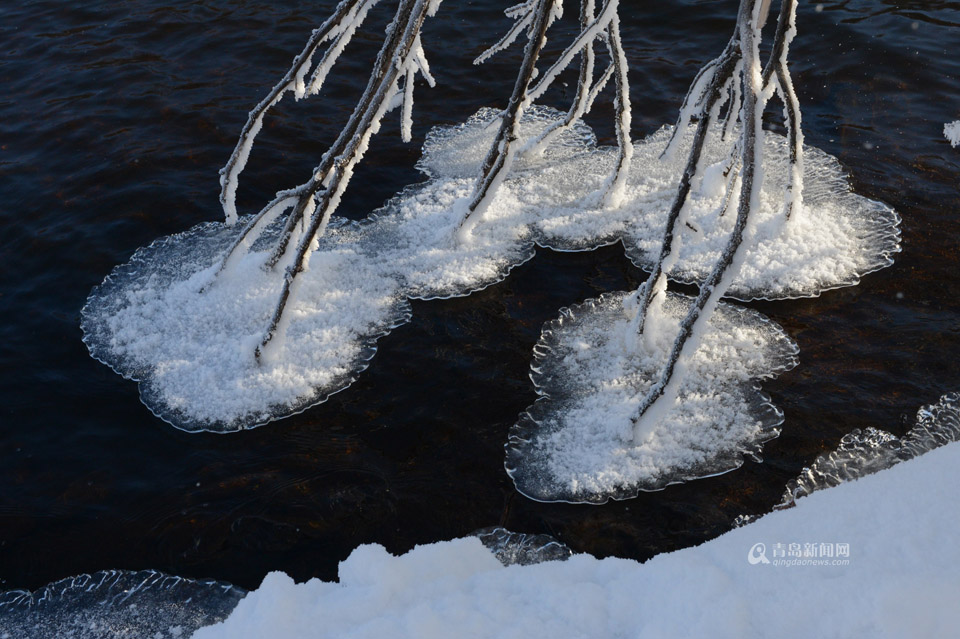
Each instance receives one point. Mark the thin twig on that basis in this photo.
(335, 171)
(500, 156)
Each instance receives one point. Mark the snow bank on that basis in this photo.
(899, 580)
(163, 320)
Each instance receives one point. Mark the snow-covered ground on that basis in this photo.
(891, 572)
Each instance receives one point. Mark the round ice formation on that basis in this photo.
(189, 340)
(835, 239)
(574, 444)
(837, 236)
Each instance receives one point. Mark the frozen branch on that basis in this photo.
(341, 26)
(586, 36)
(586, 91)
(523, 14)
(756, 94)
(320, 196)
(706, 91)
(786, 31)
(497, 163)
(612, 191)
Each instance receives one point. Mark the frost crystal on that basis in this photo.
(521, 549)
(865, 452)
(117, 603)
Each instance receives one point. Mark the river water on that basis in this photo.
(114, 120)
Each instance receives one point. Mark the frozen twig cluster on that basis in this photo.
(308, 207)
(229, 326)
(311, 204)
(736, 79)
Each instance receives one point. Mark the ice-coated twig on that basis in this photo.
(320, 196)
(586, 36)
(612, 190)
(586, 90)
(347, 29)
(346, 19)
(341, 26)
(786, 31)
(283, 201)
(500, 157)
(523, 14)
(661, 396)
(734, 102)
(343, 152)
(705, 82)
(706, 92)
(701, 103)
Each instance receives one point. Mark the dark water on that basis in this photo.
(114, 119)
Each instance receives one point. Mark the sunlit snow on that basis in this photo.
(897, 578)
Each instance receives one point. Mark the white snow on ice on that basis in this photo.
(836, 238)
(193, 351)
(951, 131)
(900, 581)
(575, 442)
